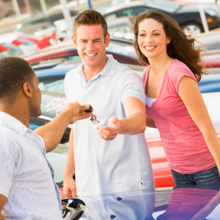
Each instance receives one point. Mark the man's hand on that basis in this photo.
(69, 189)
(3, 200)
(111, 131)
(77, 111)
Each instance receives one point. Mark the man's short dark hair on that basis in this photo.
(90, 17)
(14, 72)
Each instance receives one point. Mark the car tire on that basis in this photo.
(191, 29)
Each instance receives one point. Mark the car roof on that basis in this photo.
(56, 67)
(157, 4)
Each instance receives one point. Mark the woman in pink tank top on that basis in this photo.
(174, 103)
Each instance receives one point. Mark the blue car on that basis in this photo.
(51, 76)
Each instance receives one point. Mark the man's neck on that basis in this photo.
(90, 72)
(20, 114)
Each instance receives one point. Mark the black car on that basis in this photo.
(187, 16)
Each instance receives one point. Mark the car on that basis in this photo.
(41, 41)
(208, 41)
(122, 27)
(187, 16)
(167, 204)
(10, 50)
(28, 47)
(40, 29)
(53, 103)
(53, 15)
(122, 51)
(51, 75)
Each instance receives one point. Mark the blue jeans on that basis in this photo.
(205, 178)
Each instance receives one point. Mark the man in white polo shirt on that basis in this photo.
(27, 186)
(114, 158)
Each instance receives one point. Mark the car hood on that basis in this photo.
(176, 203)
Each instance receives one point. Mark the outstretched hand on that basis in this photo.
(77, 111)
(111, 131)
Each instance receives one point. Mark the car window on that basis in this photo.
(52, 85)
(120, 27)
(133, 11)
(73, 57)
(111, 17)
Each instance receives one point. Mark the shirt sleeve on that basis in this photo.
(9, 158)
(178, 73)
(132, 86)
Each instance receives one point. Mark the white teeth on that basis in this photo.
(90, 55)
(149, 48)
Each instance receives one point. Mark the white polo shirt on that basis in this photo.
(26, 177)
(120, 165)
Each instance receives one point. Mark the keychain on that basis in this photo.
(93, 118)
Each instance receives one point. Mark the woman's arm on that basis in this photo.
(150, 122)
(190, 94)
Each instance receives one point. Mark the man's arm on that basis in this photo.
(69, 185)
(134, 123)
(2, 203)
(53, 131)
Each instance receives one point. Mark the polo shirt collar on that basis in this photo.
(13, 123)
(106, 71)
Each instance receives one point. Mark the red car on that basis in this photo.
(42, 42)
(2, 48)
(122, 50)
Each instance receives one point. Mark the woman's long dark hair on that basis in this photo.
(181, 47)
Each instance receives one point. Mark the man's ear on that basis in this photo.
(107, 40)
(27, 88)
(74, 41)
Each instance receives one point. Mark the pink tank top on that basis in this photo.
(183, 142)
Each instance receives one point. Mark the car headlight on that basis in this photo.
(52, 41)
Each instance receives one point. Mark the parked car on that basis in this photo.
(28, 47)
(122, 51)
(208, 41)
(40, 29)
(170, 204)
(53, 15)
(51, 75)
(41, 42)
(187, 16)
(10, 50)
